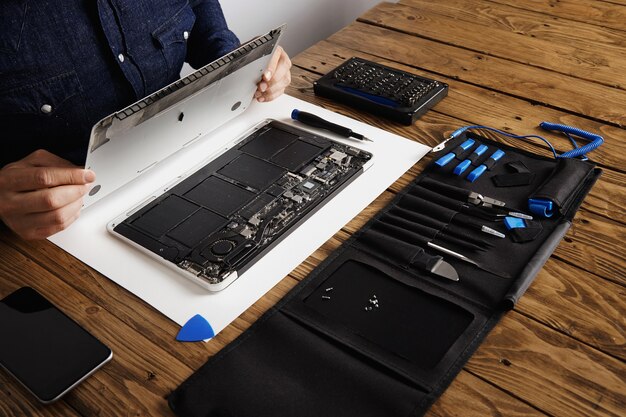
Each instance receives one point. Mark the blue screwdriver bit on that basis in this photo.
(460, 168)
(450, 156)
(477, 172)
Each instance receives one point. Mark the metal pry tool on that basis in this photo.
(444, 269)
(468, 260)
(419, 258)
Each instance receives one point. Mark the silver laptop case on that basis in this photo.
(129, 142)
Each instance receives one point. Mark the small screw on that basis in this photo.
(329, 289)
(325, 297)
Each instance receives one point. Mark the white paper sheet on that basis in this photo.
(180, 299)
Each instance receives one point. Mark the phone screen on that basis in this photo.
(44, 349)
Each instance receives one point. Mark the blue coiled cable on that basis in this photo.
(567, 130)
(596, 140)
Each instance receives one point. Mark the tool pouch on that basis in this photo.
(370, 331)
(563, 186)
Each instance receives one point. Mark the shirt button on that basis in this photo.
(186, 35)
(46, 108)
(121, 57)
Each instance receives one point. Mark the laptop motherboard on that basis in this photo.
(219, 220)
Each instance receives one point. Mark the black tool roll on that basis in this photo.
(371, 331)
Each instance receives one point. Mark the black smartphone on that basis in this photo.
(48, 352)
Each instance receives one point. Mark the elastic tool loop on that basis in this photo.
(541, 207)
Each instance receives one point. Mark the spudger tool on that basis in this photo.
(468, 260)
(316, 121)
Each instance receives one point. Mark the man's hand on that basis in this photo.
(42, 194)
(276, 77)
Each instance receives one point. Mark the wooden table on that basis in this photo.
(509, 65)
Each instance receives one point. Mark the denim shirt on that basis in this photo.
(66, 64)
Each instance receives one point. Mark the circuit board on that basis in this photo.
(217, 222)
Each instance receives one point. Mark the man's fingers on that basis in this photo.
(61, 217)
(275, 90)
(43, 158)
(271, 66)
(44, 232)
(48, 199)
(271, 88)
(35, 178)
(42, 225)
(41, 194)
(47, 224)
(283, 66)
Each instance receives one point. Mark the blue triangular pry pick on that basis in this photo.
(195, 330)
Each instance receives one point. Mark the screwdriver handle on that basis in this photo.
(316, 121)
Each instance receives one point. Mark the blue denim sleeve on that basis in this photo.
(210, 38)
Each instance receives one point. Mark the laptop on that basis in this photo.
(216, 221)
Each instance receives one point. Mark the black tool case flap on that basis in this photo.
(370, 332)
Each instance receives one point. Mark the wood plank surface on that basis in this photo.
(16, 401)
(550, 371)
(606, 14)
(509, 65)
(469, 395)
(519, 80)
(590, 309)
(529, 23)
(467, 24)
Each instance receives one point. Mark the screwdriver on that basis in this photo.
(316, 121)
